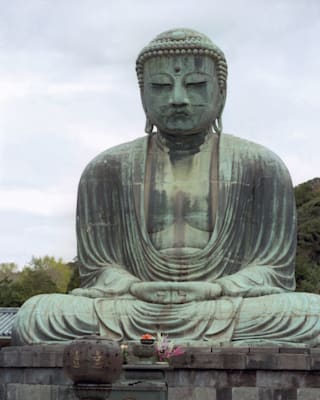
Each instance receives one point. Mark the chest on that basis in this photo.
(178, 191)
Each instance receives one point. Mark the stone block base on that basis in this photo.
(35, 372)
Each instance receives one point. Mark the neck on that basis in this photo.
(187, 144)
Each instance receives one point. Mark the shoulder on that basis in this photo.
(113, 158)
(250, 152)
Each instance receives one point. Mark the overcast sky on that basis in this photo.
(68, 91)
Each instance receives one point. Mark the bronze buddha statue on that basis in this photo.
(187, 230)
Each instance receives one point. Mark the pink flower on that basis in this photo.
(177, 351)
(166, 349)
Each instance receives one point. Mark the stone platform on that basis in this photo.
(35, 372)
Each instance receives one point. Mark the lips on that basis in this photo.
(180, 114)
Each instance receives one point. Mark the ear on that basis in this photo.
(149, 127)
(143, 100)
(223, 96)
(217, 123)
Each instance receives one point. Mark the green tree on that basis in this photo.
(8, 270)
(35, 281)
(307, 191)
(307, 275)
(74, 281)
(58, 271)
(10, 295)
(308, 243)
(41, 275)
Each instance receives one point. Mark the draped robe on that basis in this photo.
(250, 253)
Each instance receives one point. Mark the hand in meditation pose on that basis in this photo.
(186, 231)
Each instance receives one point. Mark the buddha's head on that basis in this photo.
(183, 79)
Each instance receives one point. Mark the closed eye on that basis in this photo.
(160, 85)
(196, 84)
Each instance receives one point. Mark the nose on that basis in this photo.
(179, 95)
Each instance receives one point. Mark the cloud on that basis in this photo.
(49, 202)
(24, 235)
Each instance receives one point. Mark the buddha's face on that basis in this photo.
(181, 94)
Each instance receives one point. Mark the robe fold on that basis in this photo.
(250, 253)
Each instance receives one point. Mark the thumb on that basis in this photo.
(90, 292)
(79, 292)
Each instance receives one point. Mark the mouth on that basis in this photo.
(180, 114)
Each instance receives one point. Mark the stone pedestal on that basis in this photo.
(35, 372)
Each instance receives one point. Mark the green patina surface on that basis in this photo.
(187, 231)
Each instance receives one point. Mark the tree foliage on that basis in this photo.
(10, 293)
(41, 275)
(74, 281)
(8, 270)
(58, 271)
(308, 244)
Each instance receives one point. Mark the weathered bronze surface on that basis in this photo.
(187, 231)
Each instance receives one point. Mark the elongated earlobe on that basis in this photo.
(149, 127)
(217, 125)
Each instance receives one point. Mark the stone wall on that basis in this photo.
(35, 372)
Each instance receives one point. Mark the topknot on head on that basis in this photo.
(183, 42)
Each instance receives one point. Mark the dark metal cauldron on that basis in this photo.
(92, 359)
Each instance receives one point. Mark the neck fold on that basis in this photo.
(187, 144)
